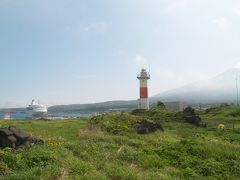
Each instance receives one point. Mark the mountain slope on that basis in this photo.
(221, 88)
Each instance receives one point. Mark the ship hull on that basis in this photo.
(36, 112)
(33, 114)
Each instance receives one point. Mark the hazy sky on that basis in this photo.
(80, 51)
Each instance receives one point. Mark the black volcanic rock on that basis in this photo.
(147, 126)
(160, 104)
(15, 138)
(19, 134)
(6, 132)
(191, 117)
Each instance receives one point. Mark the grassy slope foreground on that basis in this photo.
(108, 148)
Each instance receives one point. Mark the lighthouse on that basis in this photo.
(143, 102)
(7, 115)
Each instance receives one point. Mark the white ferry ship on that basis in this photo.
(36, 110)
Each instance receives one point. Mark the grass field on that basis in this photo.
(110, 149)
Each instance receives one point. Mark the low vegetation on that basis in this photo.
(107, 147)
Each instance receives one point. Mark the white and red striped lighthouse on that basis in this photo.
(143, 77)
(7, 115)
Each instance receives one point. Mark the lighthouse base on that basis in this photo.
(143, 104)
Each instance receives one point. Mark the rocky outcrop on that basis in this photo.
(191, 117)
(147, 126)
(161, 105)
(15, 138)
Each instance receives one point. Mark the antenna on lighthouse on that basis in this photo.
(149, 69)
(237, 90)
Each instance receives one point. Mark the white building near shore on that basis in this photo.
(175, 106)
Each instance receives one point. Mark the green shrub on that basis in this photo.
(212, 168)
(189, 173)
(159, 114)
(4, 170)
(79, 167)
(39, 156)
(152, 161)
(127, 153)
(116, 124)
(235, 113)
(118, 171)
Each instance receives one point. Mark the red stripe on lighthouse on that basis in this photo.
(143, 92)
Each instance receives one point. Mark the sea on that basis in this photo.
(22, 115)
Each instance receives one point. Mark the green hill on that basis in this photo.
(95, 107)
(109, 148)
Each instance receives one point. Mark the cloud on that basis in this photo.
(237, 11)
(237, 66)
(166, 78)
(175, 5)
(140, 61)
(222, 23)
(96, 27)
